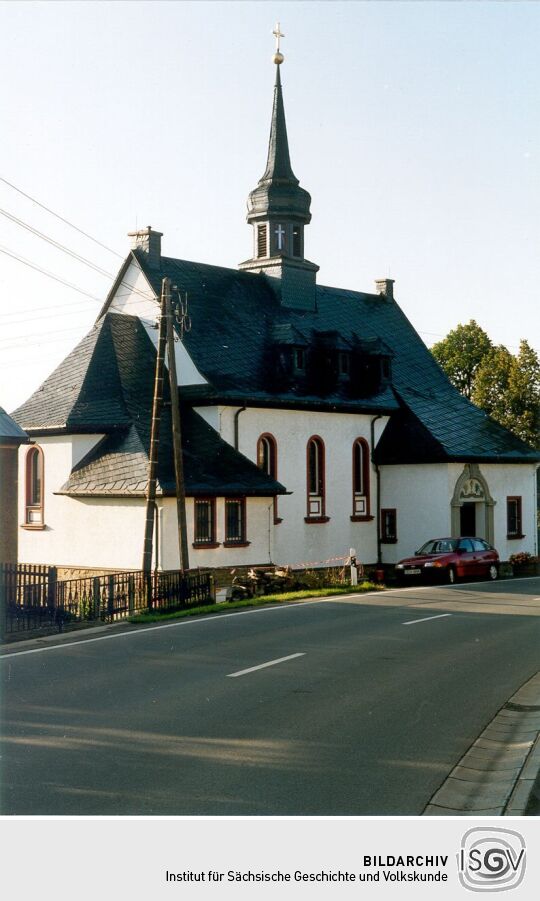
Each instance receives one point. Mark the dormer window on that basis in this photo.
(344, 363)
(299, 359)
(262, 232)
(385, 368)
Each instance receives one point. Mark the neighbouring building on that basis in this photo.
(314, 418)
(11, 438)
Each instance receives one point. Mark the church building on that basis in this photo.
(314, 419)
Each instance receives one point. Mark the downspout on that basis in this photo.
(378, 476)
(236, 415)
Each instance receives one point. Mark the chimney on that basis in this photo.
(148, 241)
(385, 286)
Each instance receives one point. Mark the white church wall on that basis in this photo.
(259, 525)
(211, 415)
(79, 532)
(508, 480)
(131, 303)
(420, 496)
(135, 296)
(296, 541)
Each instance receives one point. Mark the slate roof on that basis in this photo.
(236, 317)
(10, 432)
(106, 385)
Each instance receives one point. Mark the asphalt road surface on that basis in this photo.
(357, 706)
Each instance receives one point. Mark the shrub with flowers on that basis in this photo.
(522, 558)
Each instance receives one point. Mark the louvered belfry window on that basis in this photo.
(297, 241)
(261, 240)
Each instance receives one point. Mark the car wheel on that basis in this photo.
(493, 572)
(451, 575)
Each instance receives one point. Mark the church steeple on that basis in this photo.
(278, 195)
(278, 210)
(278, 164)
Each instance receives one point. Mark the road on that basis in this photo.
(379, 698)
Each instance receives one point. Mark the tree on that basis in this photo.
(461, 353)
(508, 388)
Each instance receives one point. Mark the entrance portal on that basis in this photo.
(472, 505)
(467, 519)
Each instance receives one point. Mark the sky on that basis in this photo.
(414, 126)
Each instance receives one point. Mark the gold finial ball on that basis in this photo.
(278, 58)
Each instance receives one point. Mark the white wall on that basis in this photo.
(506, 481)
(421, 497)
(294, 540)
(108, 533)
(82, 532)
(147, 309)
(259, 526)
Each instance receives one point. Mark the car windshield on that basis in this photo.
(439, 546)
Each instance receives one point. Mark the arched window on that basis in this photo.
(360, 479)
(34, 487)
(315, 481)
(267, 461)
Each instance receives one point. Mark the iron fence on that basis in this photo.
(32, 598)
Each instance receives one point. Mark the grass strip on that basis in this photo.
(255, 602)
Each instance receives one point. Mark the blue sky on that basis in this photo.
(413, 125)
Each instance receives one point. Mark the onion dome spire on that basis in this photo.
(278, 210)
(278, 192)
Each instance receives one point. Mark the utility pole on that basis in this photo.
(176, 431)
(154, 436)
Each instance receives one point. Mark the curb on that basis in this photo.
(497, 775)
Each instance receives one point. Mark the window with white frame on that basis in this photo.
(34, 515)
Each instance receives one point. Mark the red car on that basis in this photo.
(450, 559)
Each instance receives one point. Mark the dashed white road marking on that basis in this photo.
(424, 619)
(251, 669)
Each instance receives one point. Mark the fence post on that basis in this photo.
(148, 586)
(96, 597)
(52, 579)
(110, 597)
(131, 594)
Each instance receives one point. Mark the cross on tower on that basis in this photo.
(277, 34)
(280, 235)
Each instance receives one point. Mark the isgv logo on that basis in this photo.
(491, 860)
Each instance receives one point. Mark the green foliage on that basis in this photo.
(461, 353)
(505, 386)
(508, 388)
(256, 602)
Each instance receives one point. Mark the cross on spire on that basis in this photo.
(277, 34)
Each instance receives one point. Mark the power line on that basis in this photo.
(61, 218)
(36, 312)
(68, 250)
(54, 243)
(56, 278)
(39, 335)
